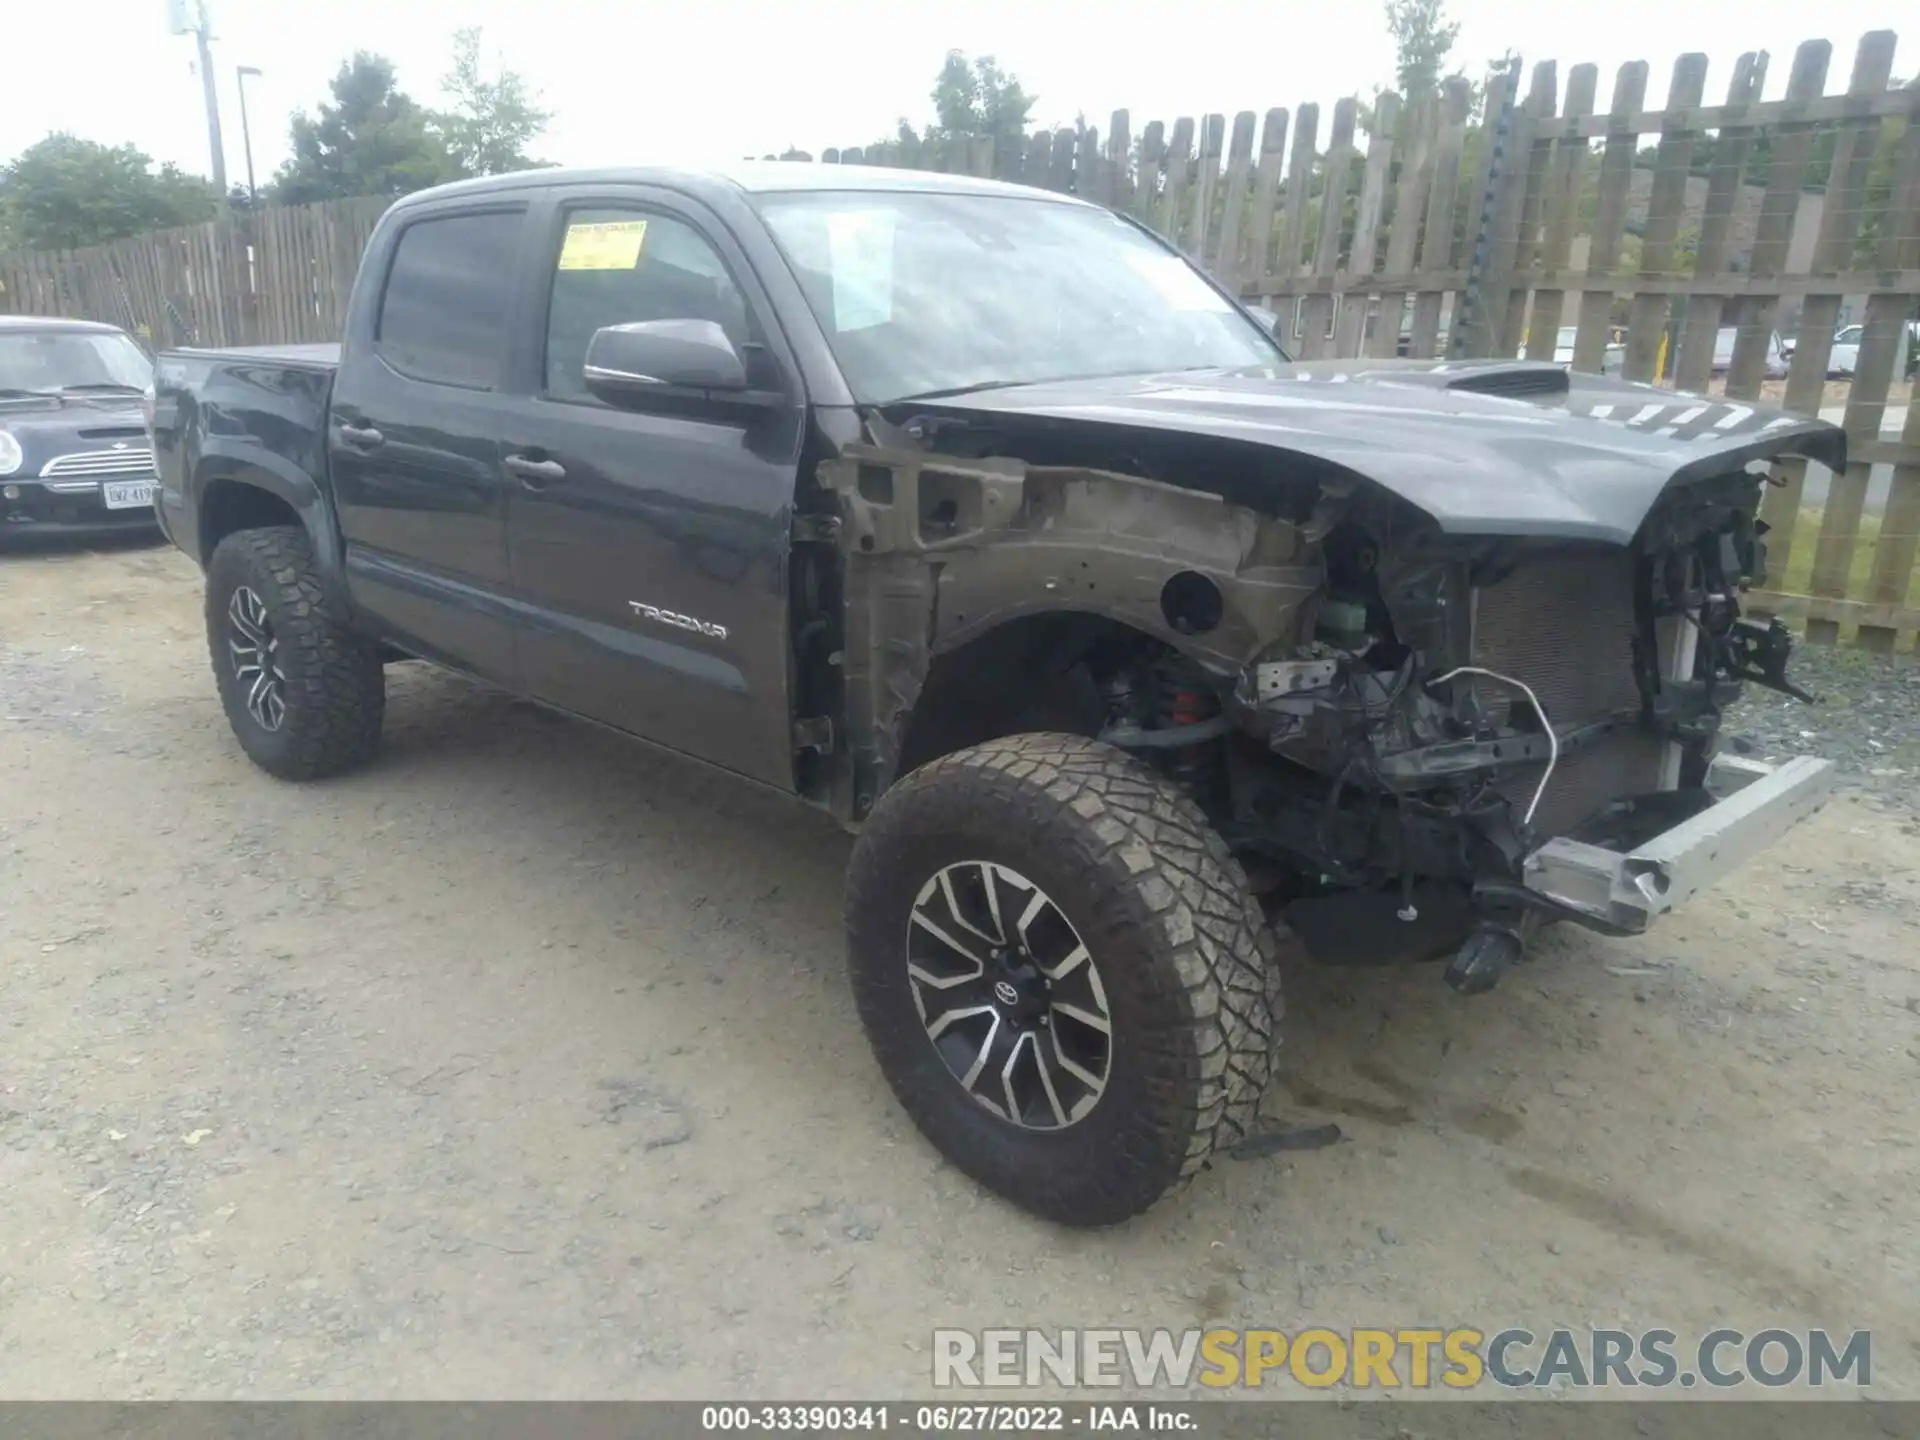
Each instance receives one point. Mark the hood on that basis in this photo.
(49, 426)
(1484, 447)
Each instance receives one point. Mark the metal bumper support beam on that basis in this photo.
(1625, 892)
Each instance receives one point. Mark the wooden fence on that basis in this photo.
(281, 276)
(1441, 227)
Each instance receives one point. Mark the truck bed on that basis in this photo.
(306, 357)
(256, 419)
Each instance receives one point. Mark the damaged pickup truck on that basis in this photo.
(978, 518)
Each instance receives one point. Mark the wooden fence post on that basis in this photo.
(1562, 204)
(1316, 313)
(1700, 330)
(1351, 323)
(1647, 315)
(1610, 219)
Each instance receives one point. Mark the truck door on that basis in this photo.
(649, 549)
(414, 438)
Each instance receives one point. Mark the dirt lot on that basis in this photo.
(522, 1064)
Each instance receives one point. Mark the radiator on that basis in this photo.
(1564, 625)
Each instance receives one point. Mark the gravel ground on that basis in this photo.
(1867, 721)
(522, 1065)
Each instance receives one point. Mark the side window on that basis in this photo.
(444, 314)
(620, 266)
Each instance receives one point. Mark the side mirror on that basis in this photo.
(1266, 319)
(656, 358)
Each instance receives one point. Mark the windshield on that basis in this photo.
(930, 293)
(49, 361)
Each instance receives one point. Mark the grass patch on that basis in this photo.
(1798, 579)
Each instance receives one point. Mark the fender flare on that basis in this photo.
(221, 463)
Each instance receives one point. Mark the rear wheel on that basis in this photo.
(1062, 973)
(304, 694)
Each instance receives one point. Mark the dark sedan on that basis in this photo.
(74, 454)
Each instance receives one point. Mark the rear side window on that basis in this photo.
(444, 315)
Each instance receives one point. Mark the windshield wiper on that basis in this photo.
(104, 385)
(9, 392)
(950, 392)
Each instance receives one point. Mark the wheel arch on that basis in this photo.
(254, 490)
(1028, 669)
(960, 574)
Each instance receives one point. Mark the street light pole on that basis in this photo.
(246, 138)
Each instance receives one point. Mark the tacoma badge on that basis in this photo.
(681, 622)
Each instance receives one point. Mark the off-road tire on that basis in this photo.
(1185, 954)
(335, 690)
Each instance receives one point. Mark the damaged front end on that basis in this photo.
(1420, 744)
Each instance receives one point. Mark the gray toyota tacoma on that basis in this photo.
(978, 518)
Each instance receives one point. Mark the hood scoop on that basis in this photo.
(1515, 382)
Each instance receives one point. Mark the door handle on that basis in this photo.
(361, 435)
(535, 474)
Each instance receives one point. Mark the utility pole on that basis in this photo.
(202, 35)
(184, 16)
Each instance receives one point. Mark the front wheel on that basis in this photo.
(304, 694)
(1062, 973)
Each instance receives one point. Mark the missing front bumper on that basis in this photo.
(1624, 891)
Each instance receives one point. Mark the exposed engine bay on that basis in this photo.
(1382, 719)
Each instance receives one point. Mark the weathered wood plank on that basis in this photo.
(1352, 320)
(1178, 165)
(1699, 331)
(1773, 233)
(1206, 185)
(1298, 186)
(1610, 219)
(1060, 177)
(1436, 240)
(1647, 313)
(1266, 191)
(1316, 319)
(1516, 240)
(1119, 188)
(1807, 374)
(1562, 204)
(1039, 160)
(1153, 155)
(1816, 609)
(1816, 111)
(1881, 349)
(1228, 266)
(1403, 239)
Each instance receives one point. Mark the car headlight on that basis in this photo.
(10, 456)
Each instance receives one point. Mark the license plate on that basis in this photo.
(127, 494)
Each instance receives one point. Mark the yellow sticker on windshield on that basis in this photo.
(603, 245)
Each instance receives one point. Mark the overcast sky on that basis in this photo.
(718, 79)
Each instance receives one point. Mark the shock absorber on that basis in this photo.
(1182, 697)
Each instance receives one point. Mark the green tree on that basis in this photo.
(977, 97)
(66, 192)
(371, 139)
(1423, 39)
(489, 123)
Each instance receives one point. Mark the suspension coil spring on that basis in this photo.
(1181, 697)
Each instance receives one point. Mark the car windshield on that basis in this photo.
(49, 361)
(923, 294)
